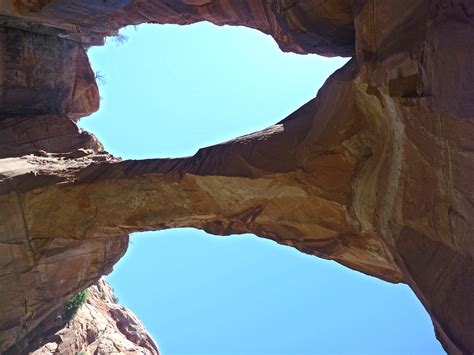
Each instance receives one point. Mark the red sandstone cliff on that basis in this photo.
(100, 326)
(376, 172)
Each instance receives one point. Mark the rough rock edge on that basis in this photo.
(408, 130)
(101, 326)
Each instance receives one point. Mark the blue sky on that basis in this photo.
(169, 91)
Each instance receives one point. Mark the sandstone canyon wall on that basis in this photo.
(376, 172)
(100, 326)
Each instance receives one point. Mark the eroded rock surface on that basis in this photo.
(100, 326)
(376, 172)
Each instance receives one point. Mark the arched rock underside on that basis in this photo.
(375, 173)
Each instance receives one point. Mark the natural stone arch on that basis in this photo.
(378, 164)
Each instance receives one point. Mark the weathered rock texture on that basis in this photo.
(376, 172)
(100, 326)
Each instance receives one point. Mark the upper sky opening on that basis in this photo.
(170, 90)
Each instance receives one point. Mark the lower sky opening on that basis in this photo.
(202, 294)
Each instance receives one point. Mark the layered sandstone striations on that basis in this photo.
(376, 172)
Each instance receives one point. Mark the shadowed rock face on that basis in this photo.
(376, 172)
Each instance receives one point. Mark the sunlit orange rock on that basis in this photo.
(376, 172)
(100, 326)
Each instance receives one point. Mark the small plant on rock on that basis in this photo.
(114, 297)
(120, 39)
(73, 304)
(100, 78)
(102, 295)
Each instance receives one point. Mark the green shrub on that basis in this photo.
(120, 39)
(73, 304)
(114, 297)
